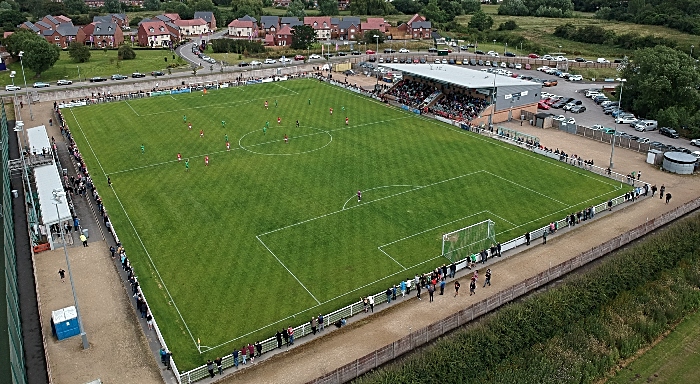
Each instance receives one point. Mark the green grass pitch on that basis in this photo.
(228, 253)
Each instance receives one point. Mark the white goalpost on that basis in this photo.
(464, 242)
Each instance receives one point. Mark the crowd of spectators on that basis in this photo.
(411, 93)
(458, 107)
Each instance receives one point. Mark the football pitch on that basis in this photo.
(270, 232)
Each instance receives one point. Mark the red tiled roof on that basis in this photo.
(188, 23)
(147, 25)
(319, 20)
(285, 30)
(241, 24)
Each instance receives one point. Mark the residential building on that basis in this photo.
(243, 28)
(281, 3)
(30, 26)
(375, 23)
(270, 24)
(102, 34)
(290, 21)
(208, 17)
(63, 35)
(196, 27)
(349, 28)
(154, 34)
(321, 25)
(284, 36)
(417, 28)
(121, 19)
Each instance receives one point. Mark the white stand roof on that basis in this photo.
(47, 180)
(38, 139)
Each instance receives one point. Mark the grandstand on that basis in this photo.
(463, 94)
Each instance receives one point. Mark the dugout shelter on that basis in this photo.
(510, 98)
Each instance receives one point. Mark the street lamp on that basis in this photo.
(612, 150)
(377, 37)
(78, 72)
(691, 50)
(57, 195)
(19, 111)
(505, 49)
(31, 114)
(494, 43)
(493, 100)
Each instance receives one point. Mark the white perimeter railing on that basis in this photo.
(302, 330)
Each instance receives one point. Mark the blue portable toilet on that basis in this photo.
(64, 323)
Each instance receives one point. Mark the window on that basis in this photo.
(57, 38)
(151, 30)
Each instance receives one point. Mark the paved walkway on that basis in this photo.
(120, 350)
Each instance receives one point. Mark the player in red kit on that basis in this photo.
(346, 121)
(331, 111)
(228, 146)
(265, 104)
(201, 133)
(279, 120)
(359, 195)
(206, 160)
(179, 157)
(189, 125)
(285, 138)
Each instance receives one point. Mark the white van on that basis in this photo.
(603, 60)
(646, 125)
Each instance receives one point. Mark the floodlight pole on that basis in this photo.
(377, 37)
(29, 100)
(57, 194)
(493, 100)
(19, 111)
(612, 151)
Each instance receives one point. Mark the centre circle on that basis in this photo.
(300, 140)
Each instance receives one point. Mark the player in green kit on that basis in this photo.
(309, 101)
(342, 108)
(264, 130)
(223, 124)
(226, 138)
(184, 118)
(187, 165)
(275, 103)
(143, 149)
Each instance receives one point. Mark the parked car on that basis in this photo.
(575, 78)
(118, 77)
(157, 73)
(389, 50)
(299, 57)
(492, 53)
(547, 57)
(510, 54)
(40, 84)
(404, 50)
(643, 140)
(255, 63)
(578, 109)
(559, 118)
(64, 82)
(533, 56)
(341, 53)
(354, 53)
(571, 121)
(97, 79)
(624, 119)
(12, 88)
(646, 125)
(666, 131)
(550, 83)
(518, 66)
(314, 56)
(136, 75)
(285, 60)
(695, 142)
(243, 64)
(270, 61)
(542, 105)
(368, 52)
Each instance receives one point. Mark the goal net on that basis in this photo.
(464, 242)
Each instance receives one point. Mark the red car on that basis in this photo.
(299, 57)
(542, 105)
(533, 56)
(370, 52)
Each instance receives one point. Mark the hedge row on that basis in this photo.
(577, 331)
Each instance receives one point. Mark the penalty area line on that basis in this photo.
(132, 108)
(285, 267)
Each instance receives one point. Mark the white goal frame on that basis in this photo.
(454, 236)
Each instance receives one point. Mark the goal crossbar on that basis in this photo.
(463, 242)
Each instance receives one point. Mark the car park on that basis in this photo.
(118, 77)
(40, 84)
(625, 119)
(64, 82)
(255, 63)
(12, 88)
(243, 64)
(533, 56)
(695, 142)
(669, 132)
(97, 79)
(137, 75)
(270, 61)
(510, 54)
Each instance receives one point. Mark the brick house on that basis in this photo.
(417, 27)
(375, 23)
(284, 36)
(349, 28)
(154, 34)
(102, 34)
(321, 25)
(63, 35)
(121, 19)
(290, 21)
(270, 24)
(208, 17)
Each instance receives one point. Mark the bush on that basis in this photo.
(125, 52)
(236, 46)
(79, 52)
(508, 26)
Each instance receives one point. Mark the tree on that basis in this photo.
(303, 37)
(112, 6)
(434, 13)
(662, 83)
(40, 55)
(203, 5)
(125, 52)
(79, 52)
(368, 36)
(19, 41)
(328, 7)
(471, 6)
(75, 7)
(54, 8)
(508, 26)
(241, 8)
(371, 7)
(10, 19)
(409, 7)
(296, 9)
(151, 5)
(513, 8)
(481, 21)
